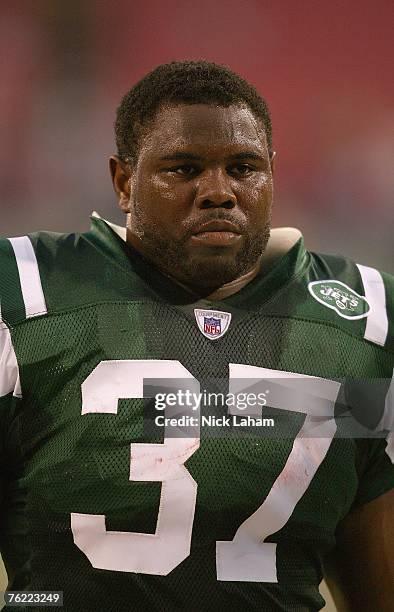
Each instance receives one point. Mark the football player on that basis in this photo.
(195, 291)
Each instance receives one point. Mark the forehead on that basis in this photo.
(201, 125)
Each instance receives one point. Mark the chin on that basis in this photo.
(215, 271)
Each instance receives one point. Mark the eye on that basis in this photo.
(241, 169)
(184, 170)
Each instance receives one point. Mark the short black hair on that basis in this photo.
(188, 82)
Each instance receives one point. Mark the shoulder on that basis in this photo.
(43, 246)
(334, 290)
(355, 292)
(333, 267)
(27, 263)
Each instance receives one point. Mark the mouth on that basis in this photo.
(217, 233)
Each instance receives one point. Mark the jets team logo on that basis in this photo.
(339, 297)
(212, 323)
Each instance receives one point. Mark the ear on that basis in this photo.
(120, 175)
(272, 161)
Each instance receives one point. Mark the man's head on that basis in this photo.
(194, 172)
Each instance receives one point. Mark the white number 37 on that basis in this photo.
(247, 557)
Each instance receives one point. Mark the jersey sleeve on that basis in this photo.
(378, 473)
(10, 395)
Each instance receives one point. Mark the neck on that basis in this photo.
(236, 285)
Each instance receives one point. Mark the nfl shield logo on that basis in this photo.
(212, 324)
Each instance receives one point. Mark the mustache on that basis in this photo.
(192, 225)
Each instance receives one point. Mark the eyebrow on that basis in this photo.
(181, 155)
(247, 155)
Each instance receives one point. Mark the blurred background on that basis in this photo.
(325, 68)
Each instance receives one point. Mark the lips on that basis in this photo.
(217, 225)
(217, 233)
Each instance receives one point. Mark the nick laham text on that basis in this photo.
(234, 420)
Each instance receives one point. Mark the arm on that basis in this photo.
(10, 393)
(360, 572)
(11, 499)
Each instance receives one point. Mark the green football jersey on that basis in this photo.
(105, 500)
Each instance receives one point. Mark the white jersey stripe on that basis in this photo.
(9, 370)
(390, 446)
(377, 325)
(29, 276)
(387, 421)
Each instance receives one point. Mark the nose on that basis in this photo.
(214, 190)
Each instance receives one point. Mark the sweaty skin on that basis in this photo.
(197, 165)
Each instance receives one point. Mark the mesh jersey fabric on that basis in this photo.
(106, 304)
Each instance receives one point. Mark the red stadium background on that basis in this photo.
(324, 67)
